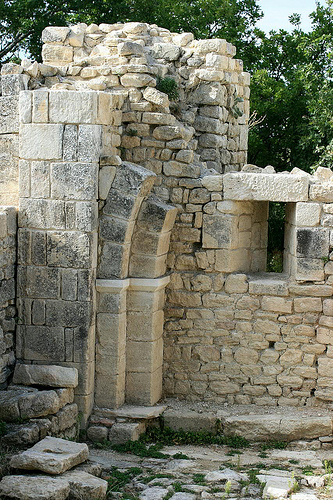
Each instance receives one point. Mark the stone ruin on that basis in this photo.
(134, 235)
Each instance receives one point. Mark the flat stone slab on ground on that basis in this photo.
(51, 455)
(48, 376)
(34, 488)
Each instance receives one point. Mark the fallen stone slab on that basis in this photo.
(45, 375)
(85, 486)
(34, 488)
(51, 455)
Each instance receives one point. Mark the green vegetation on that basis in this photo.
(169, 86)
(3, 428)
(274, 445)
(167, 436)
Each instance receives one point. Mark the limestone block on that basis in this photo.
(147, 266)
(41, 282)
(144, 357)
(308, 214)
(272, 187)
(166, 51)
(135, 28)
(217, 61)
(236, 283)
(308, 304)
(312, 243)
(113, 261)
(70, 143)
(70, 249)
(219, 231)
(58, 55)
(217, 45)
(209, 93)
(41, 141)
(41, 214)
(54, 34)
(268, 286)
(38, 404)
(129, 48)
(156, 97)
(213, 182)
(325, 367)
(137, 80)
(321, 191)
(85, 486)
(182, 39)
(32, 487)
(158, 118)
(73, 107)
(75, 38)
(144, 327)
(133, 180)
(25, 106)
(144, 388)
(123, 432)
(277, 304)
(9, 110)
(111, 335)
(74, 181)
(51, 455)
(13, 84)
(40, 108)
(49, 376)
(179, 169)
(43, 343)
(40, 179)
(89, 143)
(229, 261)
(309, 269)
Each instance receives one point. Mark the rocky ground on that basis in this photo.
(219, 472)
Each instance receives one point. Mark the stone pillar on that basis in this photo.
(60, 146)
(111, 343)
(144, 346)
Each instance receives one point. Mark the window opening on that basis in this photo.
(275, 243)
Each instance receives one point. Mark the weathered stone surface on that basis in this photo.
(53, 376)
(73, 107)
(51, 455)
(41, 141)
(85, 486)
(34, 487)
(123, 432)
(272, 187)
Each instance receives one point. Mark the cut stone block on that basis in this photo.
(312, 243)
(34, 487)
(271, 187)
(123, 432)
(85, 486)
(190, 420)
(53, 376)
(73, 107)
(51, 455)
(41, 141)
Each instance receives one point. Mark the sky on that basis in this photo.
(277, 12)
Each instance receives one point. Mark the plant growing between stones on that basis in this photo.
(168, 86)
(132, 132)
(293, 484)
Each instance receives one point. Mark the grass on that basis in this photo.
(199, 479)
(169, 86)
(118, 479)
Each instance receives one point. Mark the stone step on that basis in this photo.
(253, 423)
(123, 424)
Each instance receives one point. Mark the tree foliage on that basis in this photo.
(292, 86)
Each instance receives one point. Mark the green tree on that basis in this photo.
(292, 87)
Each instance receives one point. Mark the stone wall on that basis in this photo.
(8, 314)
(233, 333)
(122, 190)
